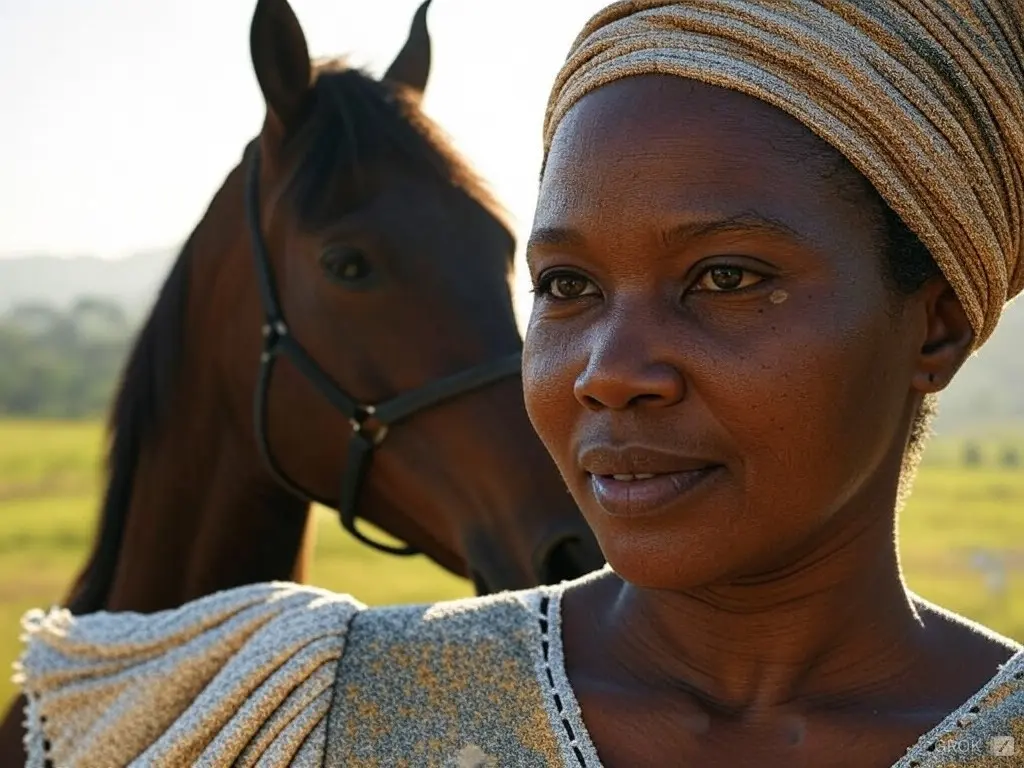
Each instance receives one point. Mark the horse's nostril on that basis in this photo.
(566, 560)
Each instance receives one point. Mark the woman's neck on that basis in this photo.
(833, 626)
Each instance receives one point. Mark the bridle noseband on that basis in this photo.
(277, 340)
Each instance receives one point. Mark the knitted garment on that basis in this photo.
(280, 674)
(924, 97)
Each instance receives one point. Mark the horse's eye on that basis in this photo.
(345, 265)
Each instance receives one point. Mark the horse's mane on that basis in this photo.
(355, 124)
(147, 384)
(382, 124)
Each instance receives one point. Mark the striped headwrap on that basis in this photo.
(924, 97)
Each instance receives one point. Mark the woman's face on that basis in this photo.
(714, 358)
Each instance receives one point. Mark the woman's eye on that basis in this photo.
(345, 265)
(567, 286)
(724, 278)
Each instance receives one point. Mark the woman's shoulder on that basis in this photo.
(276, 673)
(452, 683)
(244, 673)
(988, 728)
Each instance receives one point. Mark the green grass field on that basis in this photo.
(50, 472)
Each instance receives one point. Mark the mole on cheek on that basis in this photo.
(778, 296)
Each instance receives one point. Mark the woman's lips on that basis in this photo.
(641, 494)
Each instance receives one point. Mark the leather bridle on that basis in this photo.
(369, 423)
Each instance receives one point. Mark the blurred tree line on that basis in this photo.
(62, 363)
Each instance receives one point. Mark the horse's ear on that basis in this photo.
(411, 66)
(280, 58)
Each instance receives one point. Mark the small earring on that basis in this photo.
(931, 378)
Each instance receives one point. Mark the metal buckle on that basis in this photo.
(359, 427)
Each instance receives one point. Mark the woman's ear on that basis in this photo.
(947, 340)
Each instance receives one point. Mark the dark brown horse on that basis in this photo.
(355, 250)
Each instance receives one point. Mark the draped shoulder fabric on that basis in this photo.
(241, 677)
(276, 675)
(281, 675)
(924, 97)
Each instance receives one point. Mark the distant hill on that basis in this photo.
(58, 280)
(988, 392)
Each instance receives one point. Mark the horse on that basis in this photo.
(343, 307)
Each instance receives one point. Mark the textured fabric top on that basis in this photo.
(924, 97)
(285, 675)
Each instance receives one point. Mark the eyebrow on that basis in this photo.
(748, 222)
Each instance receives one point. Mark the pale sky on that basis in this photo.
(121, 117)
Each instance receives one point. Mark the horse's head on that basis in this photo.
(387, 272)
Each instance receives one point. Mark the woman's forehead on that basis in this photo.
(662, 147)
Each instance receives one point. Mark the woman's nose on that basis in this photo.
(625, 368)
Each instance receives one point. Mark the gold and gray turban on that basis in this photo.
(924, 97)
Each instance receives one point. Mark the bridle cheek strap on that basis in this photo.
(278, 341)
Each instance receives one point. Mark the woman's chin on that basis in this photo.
(636, 564)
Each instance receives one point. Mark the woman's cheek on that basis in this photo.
(550, 359)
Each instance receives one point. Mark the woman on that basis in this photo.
(768, 233)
